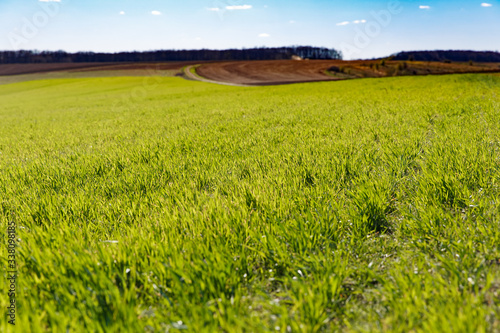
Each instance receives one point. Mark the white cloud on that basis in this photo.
(424, 7)
(264, 35)
(155, 12)
(358, 21)
(484, 4)
(49, 0)
(197, 38)
(213, 9)
(343, 23)
(239, 7)
(292, 22)
(122, 13)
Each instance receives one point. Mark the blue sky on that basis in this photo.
(360, 28)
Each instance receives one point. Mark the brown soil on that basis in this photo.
(290, 71)
(17, 69)
(268, 72)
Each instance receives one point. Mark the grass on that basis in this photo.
(85, 74)
(192, 70)
(168, 205)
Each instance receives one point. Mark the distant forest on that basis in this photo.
(279, 53)
(456, 56)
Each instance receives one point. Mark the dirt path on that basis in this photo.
(188, 74)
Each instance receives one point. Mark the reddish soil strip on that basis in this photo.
(268, 72)
(292, 71)
(188, 75)
(160, 66)
(16, 69)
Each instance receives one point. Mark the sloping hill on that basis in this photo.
(289, 71)
(450, 55)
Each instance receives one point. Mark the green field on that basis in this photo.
(163, 205)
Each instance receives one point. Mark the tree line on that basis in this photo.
(451, 55)
(277, 53)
